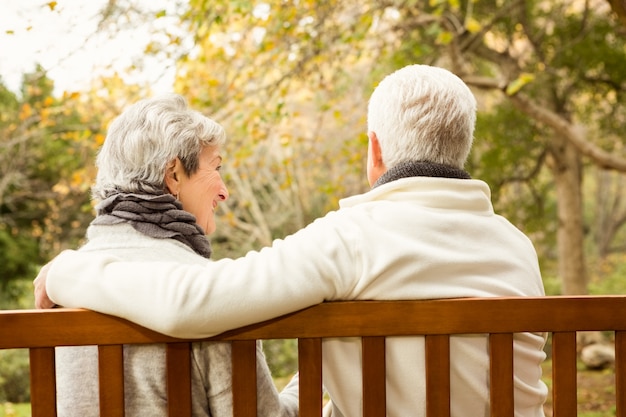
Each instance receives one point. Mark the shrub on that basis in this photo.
(14, 376)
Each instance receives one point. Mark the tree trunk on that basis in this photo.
(566, 167)
(609, 212)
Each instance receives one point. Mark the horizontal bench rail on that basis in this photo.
(40, 331)
(339, 319)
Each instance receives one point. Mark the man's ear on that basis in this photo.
(375, 165)
(172, 176)
(376, 154)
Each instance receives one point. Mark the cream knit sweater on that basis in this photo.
(144, 365)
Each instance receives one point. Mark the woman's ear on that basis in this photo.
(171, 176)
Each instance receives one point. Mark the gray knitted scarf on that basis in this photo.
(159, 216)
(420, 169)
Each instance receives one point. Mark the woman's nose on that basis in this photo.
(223, 194)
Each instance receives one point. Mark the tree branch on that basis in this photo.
(575, 134)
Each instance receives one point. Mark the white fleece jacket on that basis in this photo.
(413, 238)
(144, 365)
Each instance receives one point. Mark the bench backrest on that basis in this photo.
(40, 331)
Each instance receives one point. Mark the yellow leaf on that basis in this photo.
(99, 138)
(444, 38)
(517, 84)
(44, 113)
(61, 188)
(77, 179)
(52, 5)
(26, 111)
(472, 25)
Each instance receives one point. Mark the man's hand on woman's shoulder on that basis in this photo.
(41, 296)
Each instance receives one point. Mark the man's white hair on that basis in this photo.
(145, 137)
(423, 113)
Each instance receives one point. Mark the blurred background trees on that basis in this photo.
(290, 82)
(44, 143)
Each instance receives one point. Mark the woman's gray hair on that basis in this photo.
(144, 138)
(423, 113)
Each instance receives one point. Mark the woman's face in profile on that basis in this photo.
(200, 192)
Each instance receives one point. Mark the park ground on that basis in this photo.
(596, 391)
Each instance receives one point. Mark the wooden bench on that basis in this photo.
(40, 331)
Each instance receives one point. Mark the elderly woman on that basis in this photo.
(157, 188)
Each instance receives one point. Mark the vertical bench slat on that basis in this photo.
(244, 378)
(42, 382)
(437, 348)
(374, 380)
(501, 374)
(178, 361)
(111, 376)
(310, 376)
(620, 373)
(564, 394)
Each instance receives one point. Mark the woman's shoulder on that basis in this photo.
(126, 242)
